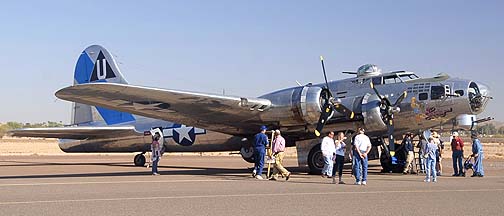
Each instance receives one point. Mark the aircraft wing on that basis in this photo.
(226, 114)
(74, 132)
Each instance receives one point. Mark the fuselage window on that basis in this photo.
(437, 92)
(423, 96)
(460, 92)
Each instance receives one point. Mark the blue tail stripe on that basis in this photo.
(83, 69)
(114, 117)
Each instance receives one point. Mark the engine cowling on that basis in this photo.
(295, 106)
(373, 117)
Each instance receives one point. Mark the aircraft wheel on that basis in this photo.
(139, 160)
(316, 160)
(247, 153)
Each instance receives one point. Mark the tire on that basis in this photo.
(315, 160)
(247, 154)
(139, 160)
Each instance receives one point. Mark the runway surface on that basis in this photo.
(192, 185)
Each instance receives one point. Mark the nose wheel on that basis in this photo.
(139, 159)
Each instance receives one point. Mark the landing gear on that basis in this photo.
(316, 160)
(247, 153)
(388, 166)
(139, 159)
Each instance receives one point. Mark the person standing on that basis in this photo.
(457, 146)
(477, 153)
(260, 142)
(362, 146)
(439, 152)
(156, 153)
(279, 153)
(340, 157)
(408, 148)
(328, 150)
(430, 164)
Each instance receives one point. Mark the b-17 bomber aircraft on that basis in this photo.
(110, 115)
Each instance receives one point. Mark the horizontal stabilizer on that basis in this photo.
(74, 132)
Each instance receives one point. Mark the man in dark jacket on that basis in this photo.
(408, 148)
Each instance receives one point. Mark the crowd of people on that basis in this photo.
(333, 149)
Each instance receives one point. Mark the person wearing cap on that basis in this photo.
(340, 157)
(477, 153)
(260, 142)
(430, 156)
(156, 153)
(279, 153)
(328, 150)
(439, 152)
(362, 146)
(457, 146)
(408, 148)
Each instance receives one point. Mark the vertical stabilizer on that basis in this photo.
(96, 64)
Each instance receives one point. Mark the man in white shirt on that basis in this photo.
(328, 151)
(362, 146)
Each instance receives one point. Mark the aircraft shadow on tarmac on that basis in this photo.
(236, 173)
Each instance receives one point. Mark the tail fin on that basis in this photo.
(96, 64)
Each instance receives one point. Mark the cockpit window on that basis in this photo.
(437, 92)
(406, 77)
(391, 79)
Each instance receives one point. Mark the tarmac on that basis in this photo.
(194, 185)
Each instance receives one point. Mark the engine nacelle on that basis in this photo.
(295, 106)
(373, 118)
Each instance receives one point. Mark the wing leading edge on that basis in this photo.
(74, 132)
(226, 114)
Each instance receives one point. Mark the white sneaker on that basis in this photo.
(435, 180)
(259, 177)
(358, 183)
(426, 180)
(254, 173)
(364, 183)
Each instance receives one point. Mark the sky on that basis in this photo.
(244, 48)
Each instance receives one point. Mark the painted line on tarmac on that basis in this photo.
(240, 195)
(111, 182)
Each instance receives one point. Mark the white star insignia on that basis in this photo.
(184, 133)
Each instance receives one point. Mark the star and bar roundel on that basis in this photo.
(182, 135)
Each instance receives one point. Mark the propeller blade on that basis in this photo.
(324, 116)
(344, 110)
(323, 70)
(375, 90)
(400, 99)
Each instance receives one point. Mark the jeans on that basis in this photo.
(259, 160)
(328, 165)
(154, 166)
(361, 165)
(339, 165)
(430, 169)
(457, 159)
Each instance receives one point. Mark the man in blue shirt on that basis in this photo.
(477, 150)
(260, 142)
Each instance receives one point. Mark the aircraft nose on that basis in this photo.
(479, 95)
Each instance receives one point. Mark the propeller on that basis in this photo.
(388, 111)
(330, 104)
